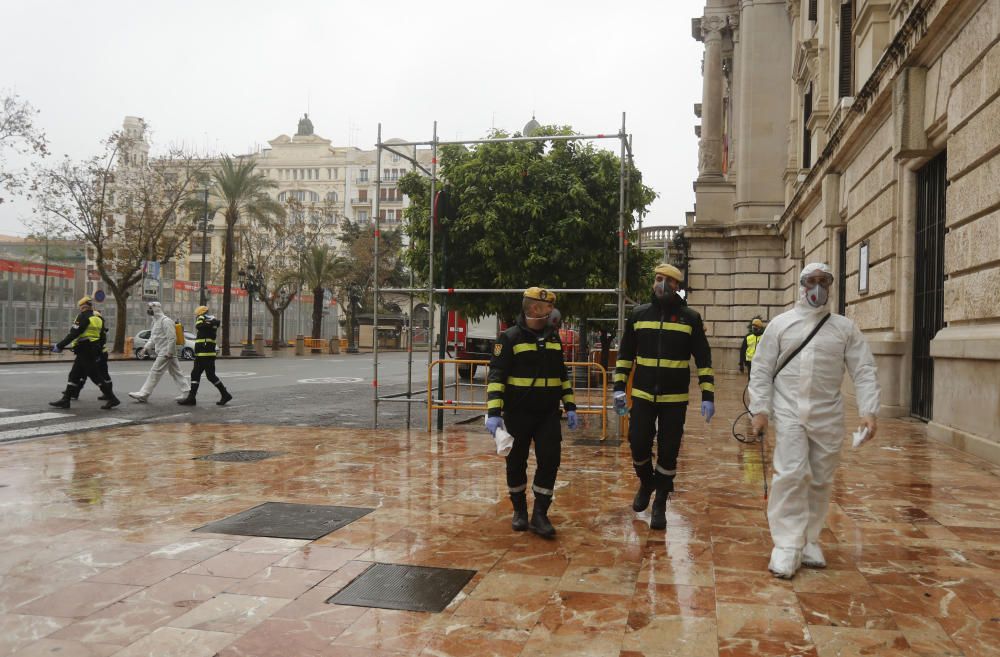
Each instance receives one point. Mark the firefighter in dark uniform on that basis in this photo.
(105, 374)
(206, 328)
(526, 382)
(659, 340)
(85, 339)
(749, 346)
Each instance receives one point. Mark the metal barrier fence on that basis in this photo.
(583, 407)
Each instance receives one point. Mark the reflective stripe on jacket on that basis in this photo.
(527, 373)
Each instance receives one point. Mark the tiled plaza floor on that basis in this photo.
(97, 556)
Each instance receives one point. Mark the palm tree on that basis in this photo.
(320, 268)
(242, 192)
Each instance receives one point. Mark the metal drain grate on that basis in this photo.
(283, 520)
(239, 456)
(409, 588)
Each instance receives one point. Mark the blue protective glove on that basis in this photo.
(56, 349)
(571, 420)
(621, 405)
(707, 410)
(493, 422)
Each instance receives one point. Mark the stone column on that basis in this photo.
(710, 146)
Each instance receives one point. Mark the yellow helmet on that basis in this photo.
(669, 270)
(540, 294)
(200, 310)
(86, 299)
(757, 322)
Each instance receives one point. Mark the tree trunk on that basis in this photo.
(317, 327)
(121, 322)
(276, 338)
(351, 343)
(227, 282)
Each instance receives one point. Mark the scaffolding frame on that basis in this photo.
(624, 187)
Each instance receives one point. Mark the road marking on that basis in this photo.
(332, 379)
(7, 410)
(14, 372)
(33, 417)
(44, 430)
(168, 417)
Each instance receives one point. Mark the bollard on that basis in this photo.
(258, 343)
(300, 345)
(334, 345)
(128, 346)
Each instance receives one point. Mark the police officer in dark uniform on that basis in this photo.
(85, 339)
(206, 328)
(526, 382)
(660, 338)
(105, 374)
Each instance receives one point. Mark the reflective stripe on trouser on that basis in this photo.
(804, 467)
(544, 430)
(666, 423)
(156, 372)
(206, 365)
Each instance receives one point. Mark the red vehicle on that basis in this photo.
(474, 340)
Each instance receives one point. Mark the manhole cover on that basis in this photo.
(591, 442)
(283, 520)
(239, 455)
(410, 588)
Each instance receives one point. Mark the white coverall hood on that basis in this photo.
(802, 303)
(805, 408)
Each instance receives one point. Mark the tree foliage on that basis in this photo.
(527, 213)
(128, 211)
(19, 136)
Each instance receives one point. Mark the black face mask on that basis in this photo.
(149, 311)
(758, 331)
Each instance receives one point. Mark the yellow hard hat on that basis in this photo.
(669, 270)
(757, 322)
(540, 294)
(86, 299)
(200, 310)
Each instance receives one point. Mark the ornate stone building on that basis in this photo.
(862, 133)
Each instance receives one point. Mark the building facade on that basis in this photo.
(861, 133)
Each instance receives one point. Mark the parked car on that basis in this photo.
(142, 337)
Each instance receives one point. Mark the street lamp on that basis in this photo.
(253, 282)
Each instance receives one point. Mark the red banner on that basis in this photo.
(36, 269)
(191, 286)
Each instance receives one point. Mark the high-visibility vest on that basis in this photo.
(752, 341)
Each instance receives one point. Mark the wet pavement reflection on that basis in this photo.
(97, 554)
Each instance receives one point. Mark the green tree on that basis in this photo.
(242, 192)
(320, 268)
(527, 213)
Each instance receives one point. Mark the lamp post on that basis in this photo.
(283, 296)
(253, 282)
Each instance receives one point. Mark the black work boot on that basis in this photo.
(66, 396)
(641, 499)
(539, 520)
(519, 522)
(190, 399)
(109, 394)
(225, 394)
(658, 516)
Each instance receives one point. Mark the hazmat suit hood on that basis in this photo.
(802, 304)
(156, 308)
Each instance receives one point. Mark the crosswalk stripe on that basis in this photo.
(7, 410)
(44, 430)
(33, 417)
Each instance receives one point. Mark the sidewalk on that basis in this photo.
(98, 556)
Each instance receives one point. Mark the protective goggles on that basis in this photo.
(821, 279)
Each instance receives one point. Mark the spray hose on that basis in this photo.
(749, 440)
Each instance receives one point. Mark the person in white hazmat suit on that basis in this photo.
(163, 337)
(805, 404)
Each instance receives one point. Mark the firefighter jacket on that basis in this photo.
(527, 373)
(749, 348)
(86, 329)
(206, 328)
(660, 338)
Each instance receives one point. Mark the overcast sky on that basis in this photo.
(225, 76)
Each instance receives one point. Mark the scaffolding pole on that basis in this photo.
(624, 189)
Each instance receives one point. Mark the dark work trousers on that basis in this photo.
(105, 376)
(86, 364)
(666, 422)
(206, 365)
(545, 430)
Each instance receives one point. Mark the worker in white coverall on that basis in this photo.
(805, 403)
(163, 337)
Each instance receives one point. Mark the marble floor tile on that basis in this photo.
(177, 642)
(18, 630)
(62, 648)
(78, 600)
(229, 613)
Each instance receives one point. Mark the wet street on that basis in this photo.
(99, 556)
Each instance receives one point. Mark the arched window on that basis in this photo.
(331, 196)
(301, 195)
